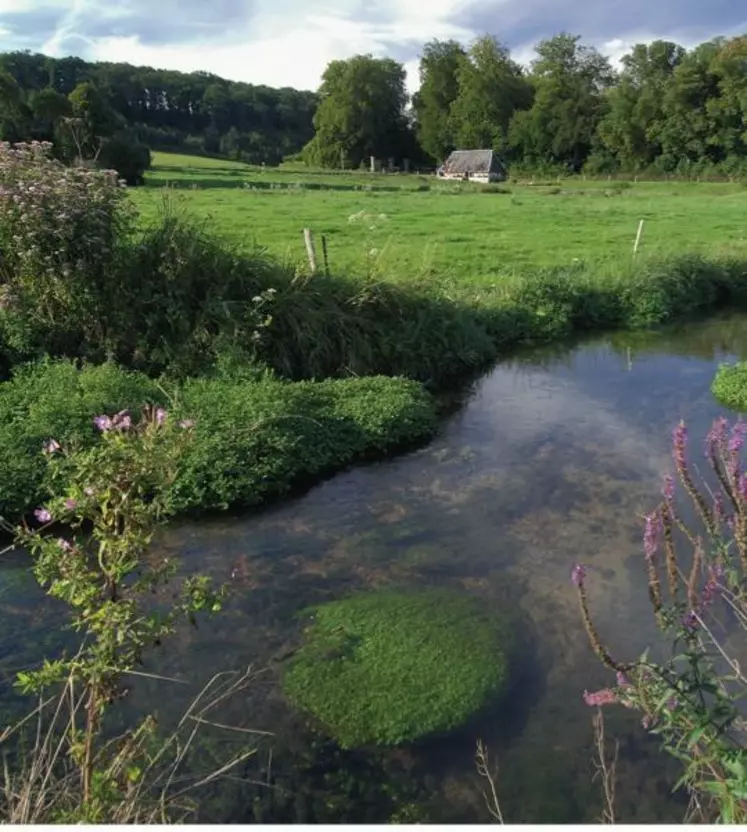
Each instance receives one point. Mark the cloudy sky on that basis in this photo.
(289, 42)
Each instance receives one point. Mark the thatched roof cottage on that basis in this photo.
(474, 165)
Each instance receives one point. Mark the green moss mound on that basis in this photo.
(389, 667)
(730, 386)
(255, 436)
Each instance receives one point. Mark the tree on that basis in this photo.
(570, 81)
(631, 129)
(689, 128)
(492, 88)
(92, 119)
(439, 88)
(361, 112)
(14, 115)
(49, 107)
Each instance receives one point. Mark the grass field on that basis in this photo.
(451, 231)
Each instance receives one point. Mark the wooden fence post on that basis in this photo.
(324, 255)
(308, 238)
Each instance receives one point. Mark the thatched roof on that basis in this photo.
(473, 161)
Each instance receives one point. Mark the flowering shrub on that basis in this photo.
(59, 232)
(111, 497)
(696, 580)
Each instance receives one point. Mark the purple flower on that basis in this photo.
(736, 441)
(65, 545)
(622, 680)
(186, 424)
(103, 423)
(71, 504)
(716, 435)
(679, 439)
(668, 488)
(578, 575)
(51, 447)
(43, 515)
(160, 416)
(718, 507)
(600, 697)
(650, 535)
(690, 620)
(122, 421)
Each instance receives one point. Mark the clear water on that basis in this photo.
(551, 459)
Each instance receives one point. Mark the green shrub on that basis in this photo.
(270, 434)
(730, 386)
(389, 667)
(255, 436)
(56, 400)
(127, 155)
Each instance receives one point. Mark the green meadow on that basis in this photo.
(459, 232)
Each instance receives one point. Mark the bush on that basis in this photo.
(123, 153)
(730, 386)
(254, 438)
(390, 667)
(60, 232)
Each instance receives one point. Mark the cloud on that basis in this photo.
(289, 42)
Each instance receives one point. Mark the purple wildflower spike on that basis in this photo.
(160, 416)
(578, 575)
(650, 536)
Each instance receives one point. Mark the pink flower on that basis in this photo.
(160, 416)
(71, 504)
(600, 697)
(578, 575)
(65, 545)
(43, 515)
(51, 447)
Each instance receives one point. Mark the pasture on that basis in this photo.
(399, 230)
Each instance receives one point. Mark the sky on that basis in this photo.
(289, 42)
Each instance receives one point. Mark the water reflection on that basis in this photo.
(551, 461)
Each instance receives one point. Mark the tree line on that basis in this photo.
(666, 110)
(193, 112)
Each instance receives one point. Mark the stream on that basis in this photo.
(551, 459)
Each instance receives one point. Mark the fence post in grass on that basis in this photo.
(308, 238)
(373, 164)
(638, 237)
(324, 255)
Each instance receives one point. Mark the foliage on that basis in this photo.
(492, 88)
(126, 155)
(730, 386)
(696, 573)
(360, 114)
(255, 437)
(60, 231)
(439, 87)
(560, 126)
(167, 109)
(390, 667)
(112, 496)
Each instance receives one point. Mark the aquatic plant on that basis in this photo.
(696, 578)
(389, 667)
(109, 500)
(730, 386)
(255, 436)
